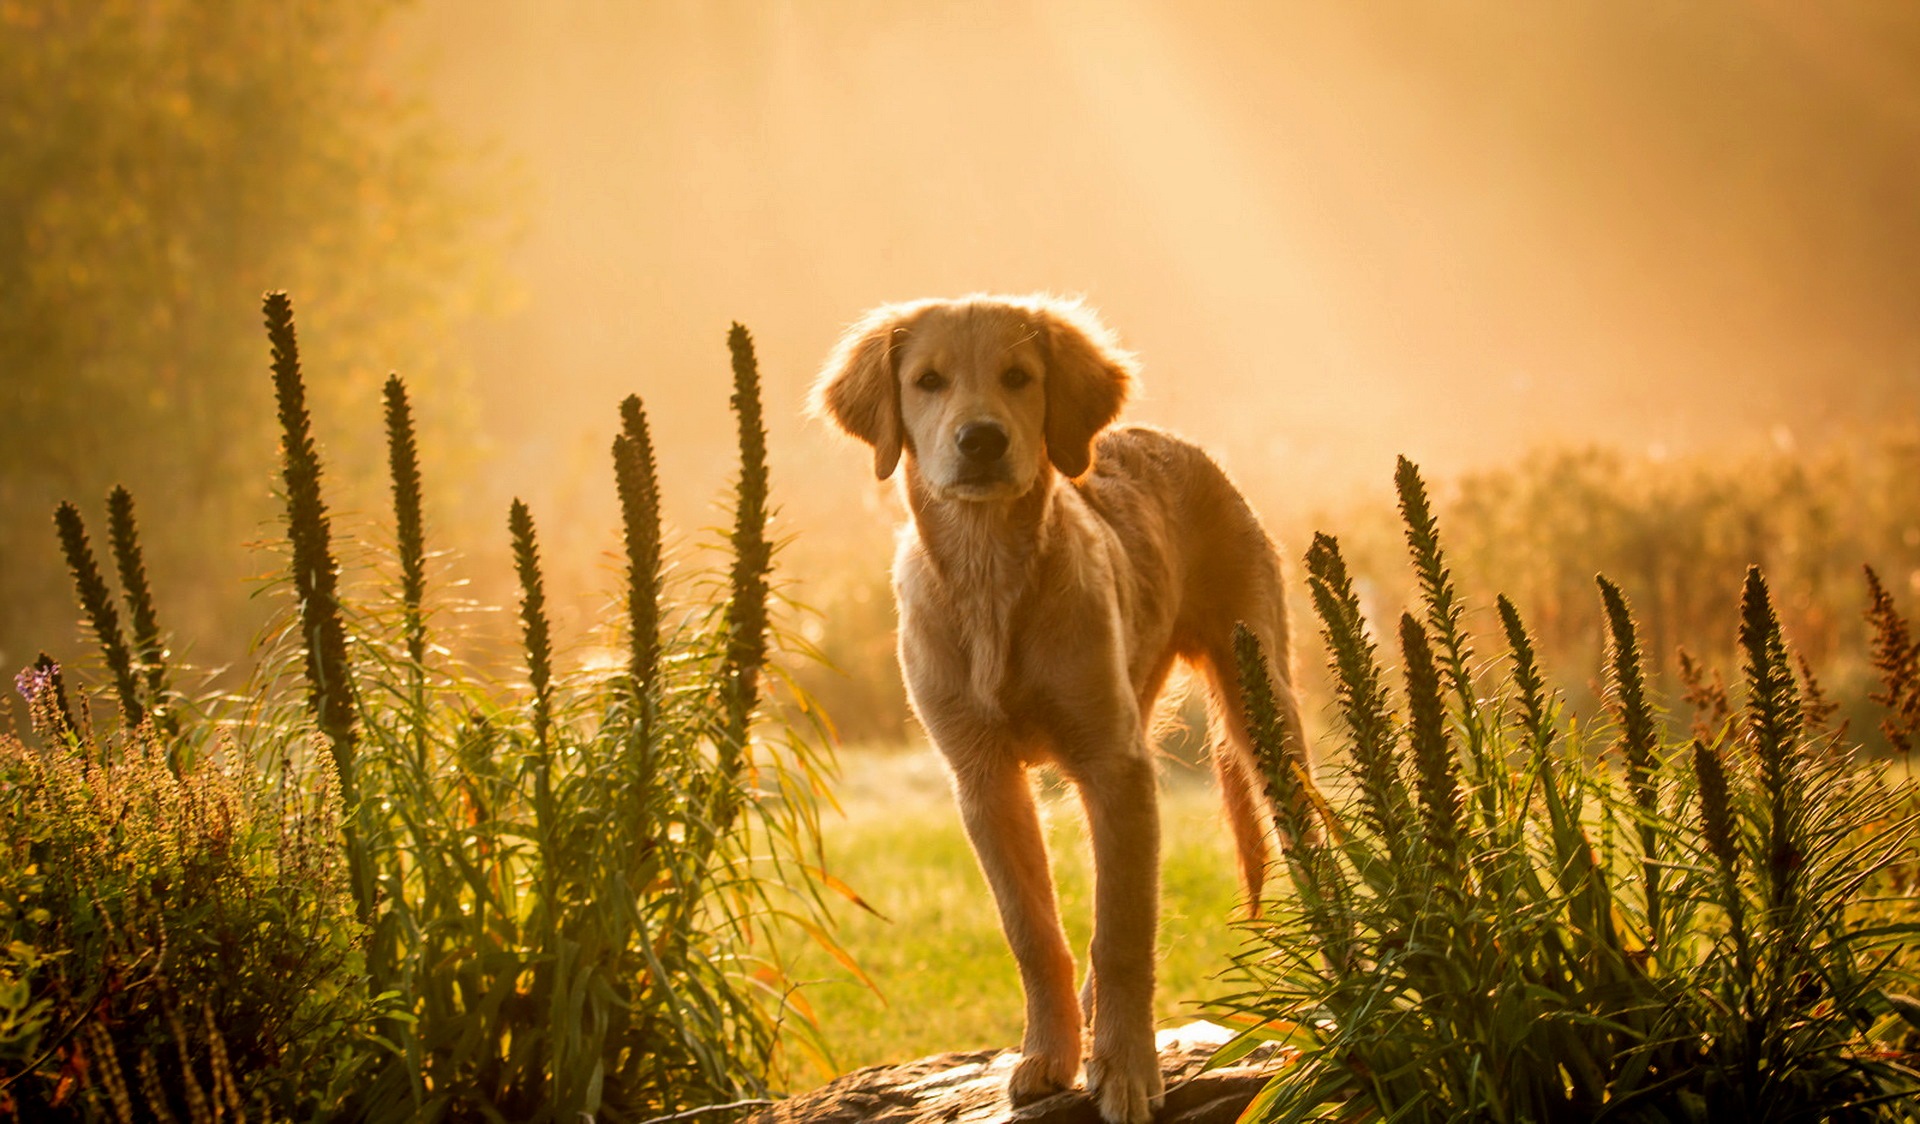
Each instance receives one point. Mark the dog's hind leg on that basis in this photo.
(996, 804)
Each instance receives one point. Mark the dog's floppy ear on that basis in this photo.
(858, 388)
(1088, 376)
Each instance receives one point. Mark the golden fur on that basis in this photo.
(1053, 571)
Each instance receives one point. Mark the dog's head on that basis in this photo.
(982, 392)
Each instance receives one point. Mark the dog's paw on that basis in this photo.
(1126, 1085)
(1038, 1076)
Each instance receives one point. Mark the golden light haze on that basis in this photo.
(1333, 232)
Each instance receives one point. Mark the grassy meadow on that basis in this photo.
(931, 946)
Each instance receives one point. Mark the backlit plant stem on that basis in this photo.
(124, 535)
(316, 583)
(97, 600)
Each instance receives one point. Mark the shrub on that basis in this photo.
(177, 939)
(1512, 916)
(585, 885)
(571, 896)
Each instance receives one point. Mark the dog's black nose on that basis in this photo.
(982, 442)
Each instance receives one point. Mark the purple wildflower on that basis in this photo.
(33, 680)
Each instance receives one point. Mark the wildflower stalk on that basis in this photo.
(105, 1063)
(97, 601)
(403, 470)
(640, 521)
(1444, 608)
(744, 635)
(1719, 825)
(1774, 720)
(316, 584)
(1533, 718)
(539, 648)
(1436, 775)
(639, 488)
(1447, 637)
(1362, 696)
(1575, 867)
(1291, 796)
(533, 620)
(1282, 768)
(1628, 687)
(132, 566)
(638, 485)
(752, 561)
(45, 690)
(403, 465)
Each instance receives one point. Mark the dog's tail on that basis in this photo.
(1234, 759)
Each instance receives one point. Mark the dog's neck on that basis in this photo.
(984, 558)
(981, 547)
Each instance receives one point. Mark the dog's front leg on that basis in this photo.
(1120, 792)
(996, 803)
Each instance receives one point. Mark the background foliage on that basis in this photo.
(162, 162)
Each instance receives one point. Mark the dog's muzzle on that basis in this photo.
(982, 443)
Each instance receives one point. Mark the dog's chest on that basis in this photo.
(961, 630)
(986, 644)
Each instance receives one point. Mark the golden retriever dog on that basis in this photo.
(1053, 570)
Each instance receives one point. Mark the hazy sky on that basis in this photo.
(1334, 232)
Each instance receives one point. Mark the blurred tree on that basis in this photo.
(162, 162)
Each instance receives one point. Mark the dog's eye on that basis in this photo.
(1015, 378)
(930, 380)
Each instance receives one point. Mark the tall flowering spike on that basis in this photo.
(1717, 817)
(1533, 718)
(752, 553)
(533, 618)
(1362, 694)
(639, 487)
(323, 631)
(1773, 722)
(1773, 699)
(1281, 767)
(1536, 722)
(752, 558)
(1443, 605)
(1719, 822)
(403, 465)
(315, 573)
(1436, 773)
(97, 601)
(128, 558)
(1627, 684)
